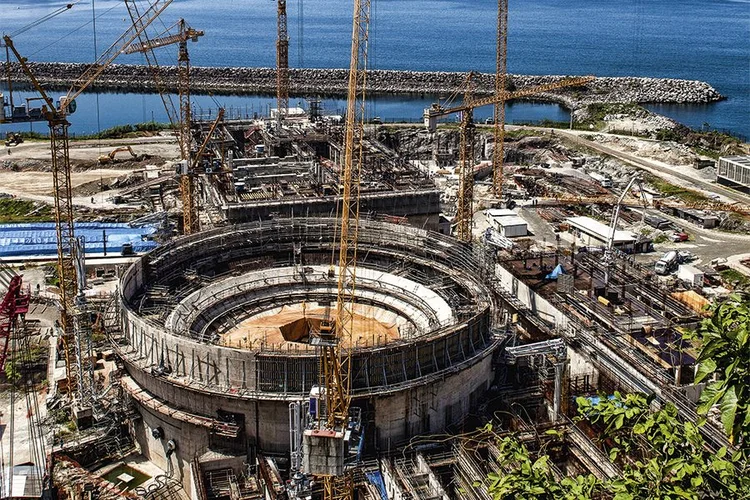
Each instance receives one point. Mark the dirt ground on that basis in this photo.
(267, 329)
(26, 171)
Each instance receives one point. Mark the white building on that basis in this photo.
(507, 222)
(734, 171)
(591, 232)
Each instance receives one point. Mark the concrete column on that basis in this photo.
(557, 401)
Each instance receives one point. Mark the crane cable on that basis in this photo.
(73, 31)
(42, 19)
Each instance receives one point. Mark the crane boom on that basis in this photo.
(191, 223)
(465, 198)
(436, 110)
(108, 56)
(155, 43)
(76, 334)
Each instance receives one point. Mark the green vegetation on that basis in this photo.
(660, 457)
(117, 132)
(14, 210)
(595, 113)
(668, 189)
(127, 131)
(662, 238)
(734, 276)
(725, 358)
(11, 371)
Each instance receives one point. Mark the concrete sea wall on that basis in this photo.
(333, 82)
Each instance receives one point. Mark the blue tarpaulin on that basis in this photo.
(557, 271)
(40, 238)
(376, 479)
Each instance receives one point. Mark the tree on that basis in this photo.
(724, 360)
(661, 457)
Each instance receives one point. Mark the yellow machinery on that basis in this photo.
(185, 33)
(110, 157)
(338, 482)
(464, 206)
(76, 334)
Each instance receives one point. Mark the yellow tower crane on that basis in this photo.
(464, 205)
(282, 62)
(501, 74)
(187, 180)
(76, 332)
(335, 335)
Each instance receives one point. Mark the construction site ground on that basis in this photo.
(26, 171)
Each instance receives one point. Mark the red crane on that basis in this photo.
(15, 303)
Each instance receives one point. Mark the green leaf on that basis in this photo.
(728, 410)
(705, 368)
(619, 421)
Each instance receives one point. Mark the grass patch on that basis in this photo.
(734, 276)
(668, 189)
(14, 210)
(128, 131)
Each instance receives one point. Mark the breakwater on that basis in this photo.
(333, 82)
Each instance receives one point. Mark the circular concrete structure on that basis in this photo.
(215, 328)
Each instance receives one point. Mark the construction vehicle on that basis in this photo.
(75, 325)
(13, 139)
(465, 199)
(667, 263)
(110, 157)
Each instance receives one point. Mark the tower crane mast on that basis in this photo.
(187, 180)
(335, 336)
(282, 62)
(464, 208)
(501, 78)
(74, 321)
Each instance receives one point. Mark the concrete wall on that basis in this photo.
(396, 203)
(422, 410)
(530, 298)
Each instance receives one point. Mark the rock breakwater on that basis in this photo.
(333, 82)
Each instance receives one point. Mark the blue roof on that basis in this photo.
(40, 238)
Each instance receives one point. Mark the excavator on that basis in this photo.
(13, 139)
(110, 158)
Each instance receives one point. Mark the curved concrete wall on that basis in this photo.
(409, 387)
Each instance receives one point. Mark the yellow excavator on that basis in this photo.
(13, 139)
(110, 158)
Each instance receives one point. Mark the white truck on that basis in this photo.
(667, 263)
(603, 180)
(690, 275)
